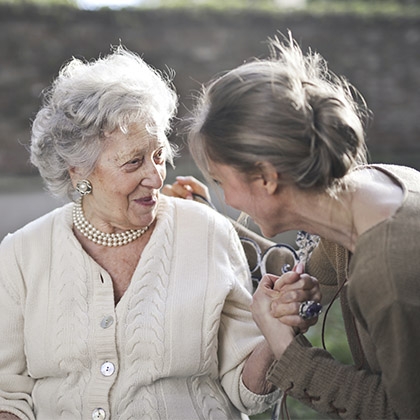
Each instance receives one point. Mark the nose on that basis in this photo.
(154, 177)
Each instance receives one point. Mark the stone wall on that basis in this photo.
(380, 55)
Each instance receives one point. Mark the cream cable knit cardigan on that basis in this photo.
(173, 347)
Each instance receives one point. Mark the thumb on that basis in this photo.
(267, 281)
(288, 278)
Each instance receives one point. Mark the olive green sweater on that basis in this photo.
(381, 310)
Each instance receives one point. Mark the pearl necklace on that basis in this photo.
(102, 238)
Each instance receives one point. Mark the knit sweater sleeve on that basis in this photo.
(312, 376)
(386, 391)
(15, 383)
(239, 335)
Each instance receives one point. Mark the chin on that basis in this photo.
(144, 220)
(268, 235)
(149, 221)
(266, 232)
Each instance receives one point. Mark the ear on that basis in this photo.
(270, 177)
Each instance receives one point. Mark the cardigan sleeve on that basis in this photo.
(239, 335)
(15, 384)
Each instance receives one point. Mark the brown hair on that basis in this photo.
(289, 110)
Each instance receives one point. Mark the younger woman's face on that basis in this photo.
(246, 194)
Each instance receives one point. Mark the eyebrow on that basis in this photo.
(124, 156)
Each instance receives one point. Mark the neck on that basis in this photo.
(102, 238)
(374, 197)
(325, 216)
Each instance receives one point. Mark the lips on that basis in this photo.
(146, 201)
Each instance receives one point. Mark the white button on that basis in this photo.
(107, 369)
(98, 414)
(107, 321)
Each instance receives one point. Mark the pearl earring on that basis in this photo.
(84, 187)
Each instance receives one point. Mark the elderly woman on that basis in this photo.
(125, 303)
(284, 138)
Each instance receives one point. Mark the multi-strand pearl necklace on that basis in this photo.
(102, 238)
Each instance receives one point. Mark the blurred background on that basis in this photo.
(375, 44)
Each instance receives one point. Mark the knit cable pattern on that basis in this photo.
(144, 326)
(72, 350)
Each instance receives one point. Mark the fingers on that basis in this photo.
(178, 190)
(287, 279)
(268, 281)
(299, 268)
(303, 288)
(167, 190)
(270, 308)
(265, 297)
(185, 186)
(297, 322)
(265, 290)
(287, 294)
(292, 280)
(290, 288)
(194, 185)
(261, 301)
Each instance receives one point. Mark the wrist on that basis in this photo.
(256, 368)
(279, 344)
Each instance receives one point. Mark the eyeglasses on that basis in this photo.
(258, 261)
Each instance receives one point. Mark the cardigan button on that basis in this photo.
(107, 368)
(107, 321)
(98, 414)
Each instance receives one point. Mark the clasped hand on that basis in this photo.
(275, 306)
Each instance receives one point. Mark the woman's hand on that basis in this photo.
(293, 289)
(278, 334)
(275, 306)
(185, 187)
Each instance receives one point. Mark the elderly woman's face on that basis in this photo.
(126, 181)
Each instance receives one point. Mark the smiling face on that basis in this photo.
(126, 180)
(258, 195)
(253, 195)
(237, 189)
